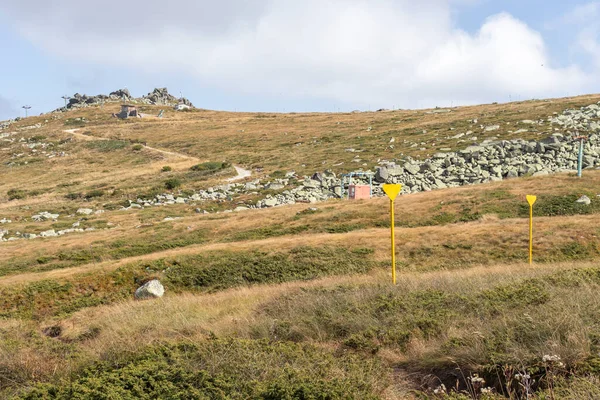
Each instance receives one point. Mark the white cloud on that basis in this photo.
(362, 52)
(582, 26)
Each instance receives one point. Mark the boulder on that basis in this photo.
(85, 211)
(150, 290)
(584, 200)
(49, 233)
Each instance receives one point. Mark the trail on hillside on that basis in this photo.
(241, 174)
(165, 152)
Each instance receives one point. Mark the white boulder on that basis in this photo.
(149, 290)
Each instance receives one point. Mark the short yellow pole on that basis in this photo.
(531, 234)
(393, 243)
(531, 200)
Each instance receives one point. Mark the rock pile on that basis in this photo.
(491, 161)
(44, 234)
(586, 119)
(161, 96)
(5, 124)
(45, 216)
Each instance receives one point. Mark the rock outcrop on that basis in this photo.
(159, 96)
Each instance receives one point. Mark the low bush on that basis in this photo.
(219, 369)
(219, 270)
(16, 194)
(210, 166)
(166, 168)
(94, 193)
(172, 183)
(74, 196)
(105, 146)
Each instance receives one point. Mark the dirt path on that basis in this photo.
(165, 152)
(241, 174)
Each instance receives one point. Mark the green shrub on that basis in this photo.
(16, 194)
(75, 121)
(166, 168)
(73, 196)
(555, 205)
(105, 146)
(94, 193)
(218, 270)
(36, 138)
(220, 369)
(210, 166)
(137, 147)
(172, 183)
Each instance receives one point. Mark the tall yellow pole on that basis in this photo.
(393, 243)
(392, 190)
(531, 200)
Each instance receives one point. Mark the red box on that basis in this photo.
(359, 192)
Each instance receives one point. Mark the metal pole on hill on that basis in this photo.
(580, 155)
(65, 97)
(26, 109)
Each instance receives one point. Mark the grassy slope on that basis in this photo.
(290, 275)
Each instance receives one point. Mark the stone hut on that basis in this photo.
(128, 110)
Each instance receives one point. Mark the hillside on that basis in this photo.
(295, 301)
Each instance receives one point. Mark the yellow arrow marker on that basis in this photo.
(392, 191)
(531, 200)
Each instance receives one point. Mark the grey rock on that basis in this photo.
(584, 200)
(85, 211)
(150, 290)
(412, 169)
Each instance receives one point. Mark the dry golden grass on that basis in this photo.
(101, 333)
(450, 257)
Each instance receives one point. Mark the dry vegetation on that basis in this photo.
(290, 302)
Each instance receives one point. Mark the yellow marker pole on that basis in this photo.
(393, 242)
(392, 191)
(531, 200)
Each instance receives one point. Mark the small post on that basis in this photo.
(531, 200)
(580, 158)
(392, 191)
(65, 97)
(26, 109)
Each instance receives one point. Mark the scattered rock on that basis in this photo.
(150, 290)
(85, 211)
(584, 200)
(44, 216)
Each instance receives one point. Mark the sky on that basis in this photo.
(290, 55)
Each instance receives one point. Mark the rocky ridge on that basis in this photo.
(159, 96)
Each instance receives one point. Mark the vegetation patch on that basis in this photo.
(210, 166)
(524, 321)
(220, 270)
(219, 369)
(172, 183)
(106, 146)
